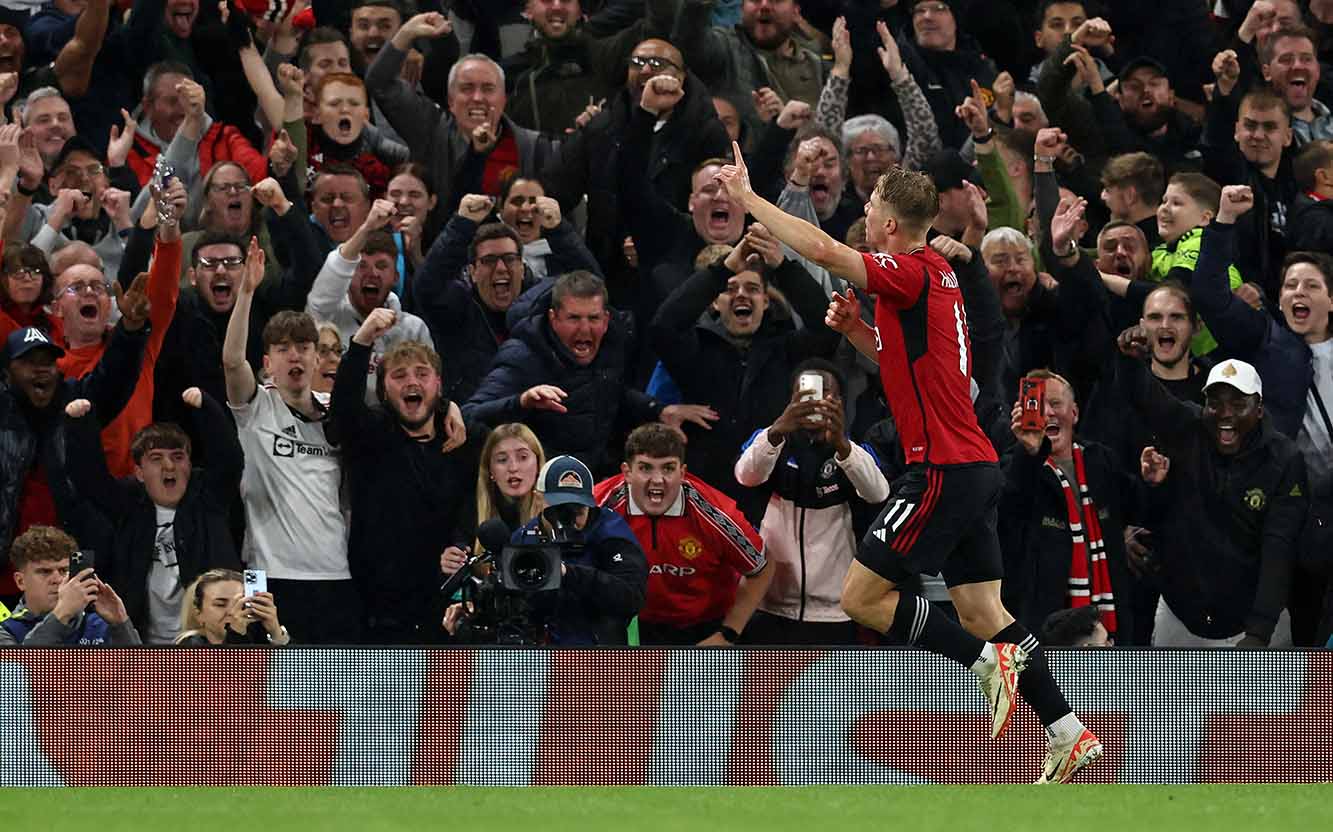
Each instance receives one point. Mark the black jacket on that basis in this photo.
(1035, 538)
(192, 350)
(465, 331)
(31, 437)
(749, 387)
(1260, 240)
(409, 500)
(551, 81)
(201, 532)
(662, 233)
(587, 163)
(1310, 225)
(946, 79)
(598, 401)
(1225, 528)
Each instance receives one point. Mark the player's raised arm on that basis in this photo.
(808, 240)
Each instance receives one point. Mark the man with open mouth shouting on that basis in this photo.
(1232, 497)
(83, 304)
(34, 484)
(295, 528)
(563, 373)
(724, 344)
(357, 278)
(412, 468)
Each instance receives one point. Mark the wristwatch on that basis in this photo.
(1069, 252)
(982, 139)
(729, 634)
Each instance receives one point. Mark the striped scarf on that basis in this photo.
(1089, 577)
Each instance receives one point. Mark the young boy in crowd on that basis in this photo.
(52, 611)
(1189, 203)
(338, 133)
(706, 566)
(171, 519)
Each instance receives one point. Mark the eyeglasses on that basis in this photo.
(651, 62)
(25, 274)
(871, 149)
(510, 260)
(325, 351)
(922, 8)
(90, 171)
(96, 287)
(228, 187)
(228, 263)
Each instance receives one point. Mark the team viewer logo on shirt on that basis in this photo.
(285, 447)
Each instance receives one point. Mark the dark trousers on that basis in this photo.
(653, 633)
(318, 612)
(766, 628)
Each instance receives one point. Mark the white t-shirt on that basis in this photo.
(295, 527)
(164, 582)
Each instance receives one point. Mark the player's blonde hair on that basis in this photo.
(910, 197)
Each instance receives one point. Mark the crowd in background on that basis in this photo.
(319, 289)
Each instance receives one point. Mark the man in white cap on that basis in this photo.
(1227, 508)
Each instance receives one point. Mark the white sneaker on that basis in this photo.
(1064, 759)
(999, 682)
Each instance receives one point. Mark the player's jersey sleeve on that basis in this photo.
(896, 280)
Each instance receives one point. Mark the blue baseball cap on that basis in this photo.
(23, 341)
(563, 479)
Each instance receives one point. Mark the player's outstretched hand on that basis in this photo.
(735, 179)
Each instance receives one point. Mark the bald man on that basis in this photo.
(689, 133)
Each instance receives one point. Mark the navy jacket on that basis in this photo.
(598, 401)
(604, 585)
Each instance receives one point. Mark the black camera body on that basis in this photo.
(512, 601)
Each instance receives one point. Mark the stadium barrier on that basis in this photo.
(356, 717)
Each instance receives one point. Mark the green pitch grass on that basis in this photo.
(820, 809)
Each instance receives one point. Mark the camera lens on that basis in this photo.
(529, 570)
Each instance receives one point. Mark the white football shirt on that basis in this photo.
(295, 526)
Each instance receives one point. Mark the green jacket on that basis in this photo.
(1184, 254)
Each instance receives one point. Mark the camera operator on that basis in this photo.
(53, 611)
(603, 571)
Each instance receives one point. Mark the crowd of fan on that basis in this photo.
(316, 290)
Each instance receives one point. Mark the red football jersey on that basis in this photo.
(925, 357)
(697, 551)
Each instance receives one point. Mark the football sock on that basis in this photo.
(915, 623)
(1035, 683)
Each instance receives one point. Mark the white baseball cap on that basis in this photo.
(1238, 374)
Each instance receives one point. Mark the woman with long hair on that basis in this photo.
(506, 483)
(511, 458)
(216, 612)
(25, 290)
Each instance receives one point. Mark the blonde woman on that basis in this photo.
(216, 612)
(506, 483)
